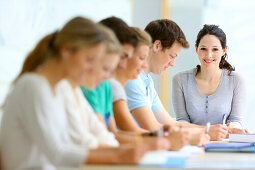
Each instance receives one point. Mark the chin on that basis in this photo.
(135, 77)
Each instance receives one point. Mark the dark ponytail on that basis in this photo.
(216, 31)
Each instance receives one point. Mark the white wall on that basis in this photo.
(24, 22)
(188, 15)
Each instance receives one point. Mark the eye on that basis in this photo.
(89, 58)
(105, 69)
(172, 57)
(142, 58)
(215, 49)
(203, 49)
(124, 56)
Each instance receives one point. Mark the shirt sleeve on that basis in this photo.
(118, 91)
(41, 128)
(136, 94)
(178, 100)
(238, 102)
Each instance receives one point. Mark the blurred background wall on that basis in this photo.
(24, 22)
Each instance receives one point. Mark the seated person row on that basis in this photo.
(84, 120)
(212, 90)
(123, 73)
(35, 128)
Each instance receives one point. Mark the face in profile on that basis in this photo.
(102, 71)
(163, 59)
(137, 62)
(127, 52)
(79, 64)
(210, 51)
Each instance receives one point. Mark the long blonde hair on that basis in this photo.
(78, 32)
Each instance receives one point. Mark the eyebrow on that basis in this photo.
(212, 46)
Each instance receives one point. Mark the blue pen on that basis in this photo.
(224, 119)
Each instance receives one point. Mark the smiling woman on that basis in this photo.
(204, 94)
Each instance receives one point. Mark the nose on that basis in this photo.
(171, 63)
(209, 54)
(122, 63)
(144, 64)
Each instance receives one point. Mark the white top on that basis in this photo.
(85, 127)
(118, 91)
(34, 128)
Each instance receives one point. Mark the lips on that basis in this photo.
(208, 61)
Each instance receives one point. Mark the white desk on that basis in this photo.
(202, 162)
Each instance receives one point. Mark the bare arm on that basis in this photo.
(124, 119)
(121, 155)
(146, 119)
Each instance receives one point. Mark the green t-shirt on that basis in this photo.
(100, 99)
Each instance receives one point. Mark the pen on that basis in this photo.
(208, 124)
(224, 119)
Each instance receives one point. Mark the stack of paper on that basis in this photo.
(175, 159)
(242, 137)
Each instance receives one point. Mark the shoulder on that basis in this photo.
(31, 83)
(115, 85)
(105, 85)
(184, 75)
(235, 76)
(65, 88)
(138, 83)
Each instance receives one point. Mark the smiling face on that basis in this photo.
(137, 62)
(162, 59)
(210, 51)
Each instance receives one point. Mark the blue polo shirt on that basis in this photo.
(141, 92)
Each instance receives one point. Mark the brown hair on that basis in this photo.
(78, 32)
(143, 37)
(167, 32)
(216, 31)
(112, 43)
(123, 32)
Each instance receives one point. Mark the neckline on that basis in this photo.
(215, 93)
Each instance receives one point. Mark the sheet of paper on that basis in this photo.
(242, 137)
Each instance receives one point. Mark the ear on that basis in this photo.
(64, 52)
(196, 48)
(225, 50)
(157, 46)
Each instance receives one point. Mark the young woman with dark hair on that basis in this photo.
(212, 90)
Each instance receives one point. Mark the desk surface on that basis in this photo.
(204, 161)
(200, 161)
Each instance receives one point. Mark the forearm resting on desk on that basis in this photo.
(120, 155)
